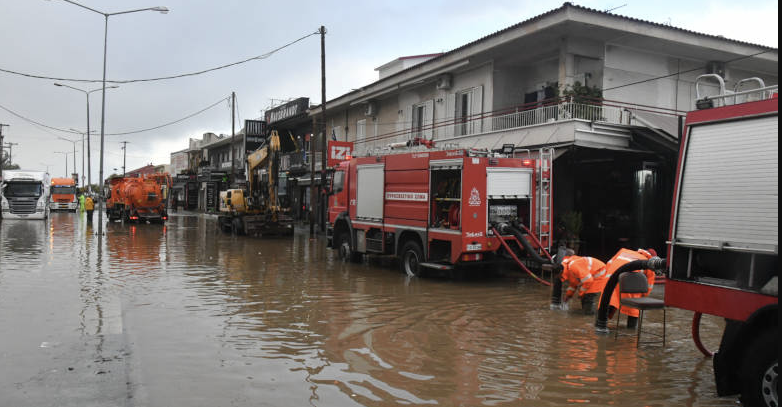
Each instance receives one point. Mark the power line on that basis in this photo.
(169, 123)
(36, 123)
(257, 57)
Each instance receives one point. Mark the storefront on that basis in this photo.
(211, 182)
(185, 191)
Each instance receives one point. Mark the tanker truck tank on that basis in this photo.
(138, 199)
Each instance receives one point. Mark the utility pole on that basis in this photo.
(233, 137)
(322, 197)
(124, 153)
(312, 177)
(1, 156)
(10, 151)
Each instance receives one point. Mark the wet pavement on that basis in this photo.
(181, 314)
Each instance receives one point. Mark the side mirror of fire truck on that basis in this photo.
(328, 186)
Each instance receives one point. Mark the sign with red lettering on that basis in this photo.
(339, 151)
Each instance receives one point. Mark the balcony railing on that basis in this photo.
(558, 112)
(604, 111)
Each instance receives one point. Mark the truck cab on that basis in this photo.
(25, 195)
(63, 195)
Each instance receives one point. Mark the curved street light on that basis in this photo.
(161, 9)
(83, 134)
(89, 162)
(74, 154)
(65, 153)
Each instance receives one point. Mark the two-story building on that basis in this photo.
(605, 93)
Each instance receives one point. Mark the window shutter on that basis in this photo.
(477, 109)
(361, 129)
(407, 124)
(450, 114)
(428, 119)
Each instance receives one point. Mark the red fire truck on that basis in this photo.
(438, 208)
(724, 239)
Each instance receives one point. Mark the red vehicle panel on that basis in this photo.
(434, 207)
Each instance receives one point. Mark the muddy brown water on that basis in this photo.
(183, 315)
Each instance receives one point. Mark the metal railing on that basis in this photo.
(551, 111)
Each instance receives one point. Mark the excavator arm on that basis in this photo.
(265, 156)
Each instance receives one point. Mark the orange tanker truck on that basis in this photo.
(63, 195)
(138, 199)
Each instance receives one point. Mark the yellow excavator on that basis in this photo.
(257, 210)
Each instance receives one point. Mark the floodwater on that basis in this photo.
(182, 315)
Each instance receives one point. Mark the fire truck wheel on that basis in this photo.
(412, 255)
(346, 253)
(759, 370)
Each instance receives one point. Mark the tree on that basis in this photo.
(6, 163)
(579, 93)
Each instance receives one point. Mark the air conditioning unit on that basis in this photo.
(370, 109)
(716, 67)
(444, 82)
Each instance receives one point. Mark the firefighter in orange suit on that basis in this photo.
(622, 257)
(585, 276)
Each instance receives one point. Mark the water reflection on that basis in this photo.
(213, 319)
(22, 240)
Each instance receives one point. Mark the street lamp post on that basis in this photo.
(82, 152)
(74, 154)
(106, 16)
(65, 153)
(89, 162)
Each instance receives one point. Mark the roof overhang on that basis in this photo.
(613, 28)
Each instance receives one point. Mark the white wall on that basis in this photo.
(178, 162)
(625, 65)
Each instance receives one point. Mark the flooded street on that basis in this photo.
(183, 315)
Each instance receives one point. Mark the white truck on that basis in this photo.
(25, 194)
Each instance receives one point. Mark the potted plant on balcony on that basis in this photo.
(571, 224)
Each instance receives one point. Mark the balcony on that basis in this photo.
(298, 163)
(598, 123)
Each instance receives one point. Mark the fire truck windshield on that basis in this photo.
(32, 189)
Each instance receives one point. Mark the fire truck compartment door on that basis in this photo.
(508, 182)
(369, 191)
(728, 193)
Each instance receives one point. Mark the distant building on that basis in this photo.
(145, 170)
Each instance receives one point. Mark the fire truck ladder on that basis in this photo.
(545, 164)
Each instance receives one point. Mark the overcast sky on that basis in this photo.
(57, 39)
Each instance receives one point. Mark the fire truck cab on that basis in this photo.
(434, 209)
(724, 237)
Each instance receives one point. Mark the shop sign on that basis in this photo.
(287, 110)
(339, 151)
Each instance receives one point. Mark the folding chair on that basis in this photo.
(636, 283)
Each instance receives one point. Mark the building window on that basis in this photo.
(418, 120)
(462, 114)
(361, 129)
(422, 119)
(336, 132)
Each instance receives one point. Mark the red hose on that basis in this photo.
(523, 267)
(696, 335)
